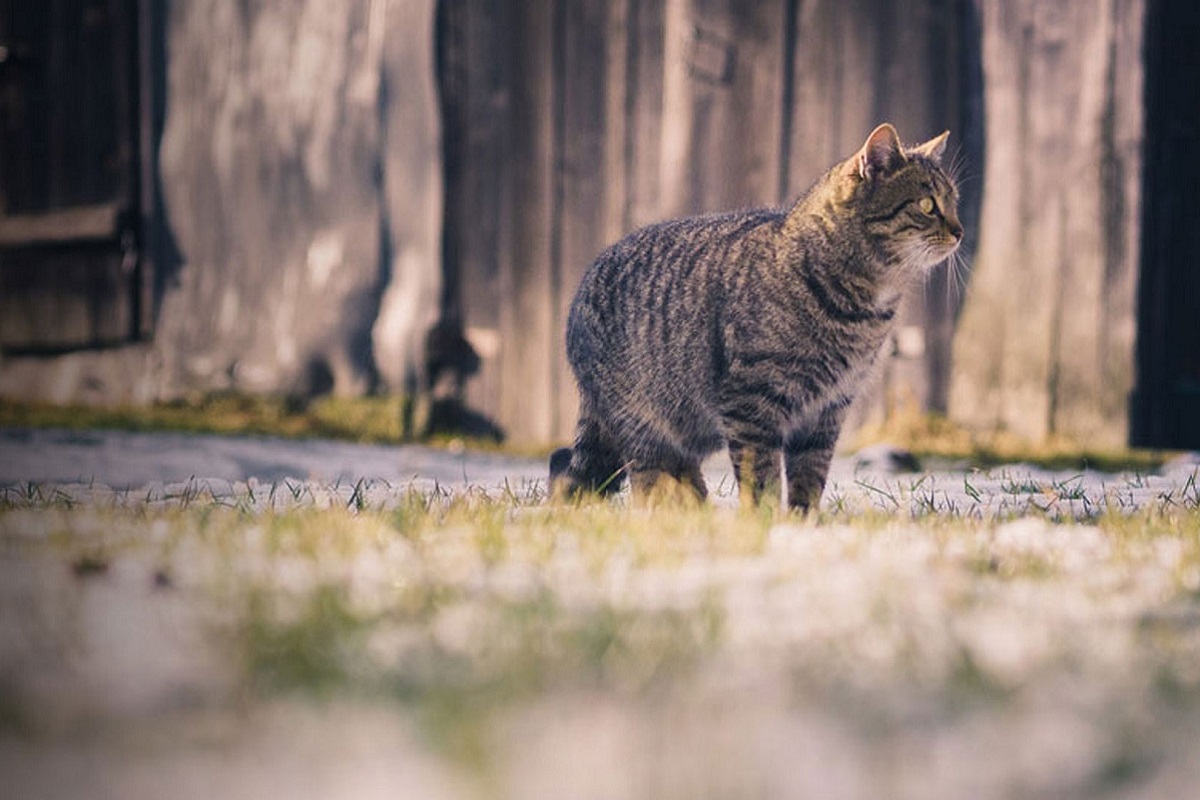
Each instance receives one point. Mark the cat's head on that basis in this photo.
(906, 202)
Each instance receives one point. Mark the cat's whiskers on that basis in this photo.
(958, 173)
(930, 257)
(956, 283)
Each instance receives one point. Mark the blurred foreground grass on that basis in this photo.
(974, 632)
(642, 652)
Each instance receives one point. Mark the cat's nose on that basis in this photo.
(956, 229)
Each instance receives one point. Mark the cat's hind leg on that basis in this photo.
(593, 464)
(676, 483)
(693, 478)
(660, 472)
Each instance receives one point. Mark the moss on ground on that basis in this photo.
(378, 420)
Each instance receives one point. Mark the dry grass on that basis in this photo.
(367, 419)
(376, 419)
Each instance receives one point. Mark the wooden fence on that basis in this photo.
(563, 124)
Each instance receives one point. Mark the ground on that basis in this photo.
(205, 616)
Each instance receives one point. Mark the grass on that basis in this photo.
(900, 620)
(367, 419)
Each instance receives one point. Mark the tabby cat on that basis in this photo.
(751, 330)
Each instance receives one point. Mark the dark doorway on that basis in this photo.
(1166, 403)
(71, 274)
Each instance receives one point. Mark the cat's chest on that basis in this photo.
(809, 364)
(859, 368)
(835, 381)
(780, 339)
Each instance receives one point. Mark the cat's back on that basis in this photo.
(671, 263)
(647, 310)
(675, 245)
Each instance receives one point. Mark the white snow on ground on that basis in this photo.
(124, 460)
(162, 467)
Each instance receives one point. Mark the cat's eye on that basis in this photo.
(926, 204)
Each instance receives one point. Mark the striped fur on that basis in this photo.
(750, 330)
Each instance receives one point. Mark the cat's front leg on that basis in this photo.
(807, 453)
(756, 468)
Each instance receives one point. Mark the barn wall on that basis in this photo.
(1045, 343)
(300, 172)
(313, 156)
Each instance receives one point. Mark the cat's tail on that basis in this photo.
(592, 465)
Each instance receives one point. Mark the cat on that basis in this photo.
(750, 330)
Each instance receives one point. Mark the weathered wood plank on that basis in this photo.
(270, 164)
(1029, 355)
(476, 75)
(722, 105)
(64, 297)
(80, 224)
(644, 104)
(413, 205)
(526, 407)
(833, 86)
(589, 176)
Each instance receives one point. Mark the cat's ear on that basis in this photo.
(881, 152)
(934, 148)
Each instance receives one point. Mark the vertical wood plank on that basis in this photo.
(917, 88)
(419, 283)
(1095, 345)
(833, 110)
(526, 249)
(722, 104)
(1029, 355)
(150, 222)
(477, 75)
(1123, 129)
(589, 174)
(644, 106)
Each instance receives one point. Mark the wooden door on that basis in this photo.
(70, 269)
